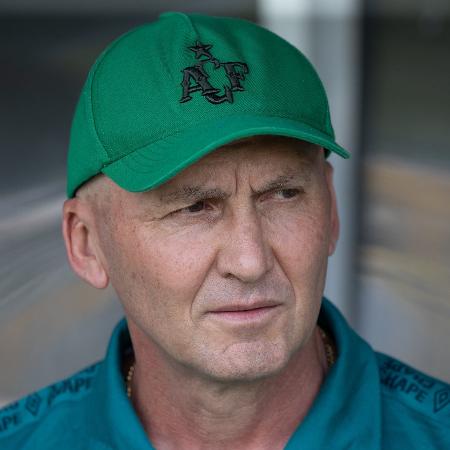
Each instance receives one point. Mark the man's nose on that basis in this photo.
(245, 252)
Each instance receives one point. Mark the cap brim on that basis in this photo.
(154, 164)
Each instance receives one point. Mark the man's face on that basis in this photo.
(222, 268)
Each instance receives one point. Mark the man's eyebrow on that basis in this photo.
(197, 193)
(278, 182)
(191, 194)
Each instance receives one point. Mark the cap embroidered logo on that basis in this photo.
(195, 78)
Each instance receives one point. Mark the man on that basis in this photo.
(199, 188)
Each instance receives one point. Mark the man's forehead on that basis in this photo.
(276, 152)
(208, 176)
(211, 175)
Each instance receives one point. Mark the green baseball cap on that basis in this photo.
(164, 94)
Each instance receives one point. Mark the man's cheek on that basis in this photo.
(310, 239)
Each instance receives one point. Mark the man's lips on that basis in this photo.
(245, 313)
(240, 307)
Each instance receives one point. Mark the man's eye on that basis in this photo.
(287, 193)
(195, 207)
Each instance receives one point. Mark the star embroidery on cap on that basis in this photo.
(201, 50)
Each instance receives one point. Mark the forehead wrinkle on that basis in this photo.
(170, 193)
(196, 192)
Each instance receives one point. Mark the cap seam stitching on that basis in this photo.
(164, 61)
(327, 118)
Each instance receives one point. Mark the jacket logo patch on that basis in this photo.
(33, 404)
(441, 399)
(196, 77)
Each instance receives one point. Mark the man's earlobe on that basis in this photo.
(79, 239)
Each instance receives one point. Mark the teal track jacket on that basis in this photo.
(368, 401)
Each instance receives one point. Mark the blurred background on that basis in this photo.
(386, 67)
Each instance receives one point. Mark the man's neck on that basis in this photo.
(179, 411)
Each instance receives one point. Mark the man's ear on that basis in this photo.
(83, 253)
(334, 216)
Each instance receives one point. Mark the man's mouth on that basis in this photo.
(245, 313)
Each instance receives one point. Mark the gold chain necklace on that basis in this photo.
(328, 346)
(129, 378)
(327, 343)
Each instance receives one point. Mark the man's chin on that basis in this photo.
(247, 362)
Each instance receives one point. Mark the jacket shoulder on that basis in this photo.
(415, 405)
(47, 409)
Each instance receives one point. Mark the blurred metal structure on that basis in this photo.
(328, 33)
(404, 249)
